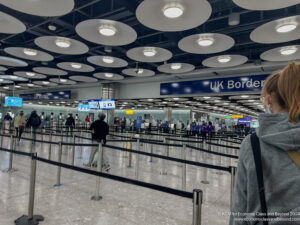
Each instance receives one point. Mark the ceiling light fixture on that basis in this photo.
(140, 71)
(173, 10)
(30, 85)
(205, 41)
(76, 65)
(108, 75)
(207, 97)
(30, 74)
(176, 66)
(13, 77)
(108, 59)
(107, 30)
(62, 80)
(149, 52)
(17, 86)
(1, 80)
(46, 82)
(62, 43)
(6, 87)
(30, 52)
(176, 99)
(224, 59)
(285, 28)
(244, 96)
(289, 50)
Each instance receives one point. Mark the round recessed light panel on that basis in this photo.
(265, 4)
(286, 53)
(2, 68)
(108, 76)
(149, 54)
(30, 75)
(85, 79)
(173, 15)
(28, 53)
(3, 81)
(225, 61)
(138, 72)
(75, 66)
(62, 81)
(45, 83)
(277, 31)
(41, 7)
(207, 43)
(61, 45)
(12, 77)
(8, 61)
(107, 61)
(176, 68)
(50, 71)
(10, 25)
(106, 32)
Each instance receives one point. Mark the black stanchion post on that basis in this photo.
(130, 154)
(58, 183)
(97, 196)
(137, 160)
(31, 219)
(184, 168)
(50, 139)
(11, 147)
(233, 174)
(151, 149)
(73, 150)
(197, 206)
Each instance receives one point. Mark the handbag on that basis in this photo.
(259, 174)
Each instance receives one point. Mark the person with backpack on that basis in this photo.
(267, 185)
(100, 130)
(19, 124)
(70, 124)
(33, 122)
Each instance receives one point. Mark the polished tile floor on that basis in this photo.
(122, 204)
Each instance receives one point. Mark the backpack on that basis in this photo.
(35, 121)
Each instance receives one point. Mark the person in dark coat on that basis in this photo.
(33, 122)
(70, 124)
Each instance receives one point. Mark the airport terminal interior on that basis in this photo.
(178, 82)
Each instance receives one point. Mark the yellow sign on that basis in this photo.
(237, 116)
(129, 112)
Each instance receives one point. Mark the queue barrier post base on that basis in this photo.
(205, 182)
(9, 170)
(57, 185)
(24, 220)
(96, 198)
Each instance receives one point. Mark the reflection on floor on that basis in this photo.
(122, 204)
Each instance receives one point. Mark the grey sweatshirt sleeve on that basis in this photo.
(239, 202)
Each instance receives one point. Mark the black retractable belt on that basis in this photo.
(259, 173)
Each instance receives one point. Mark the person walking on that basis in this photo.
(267, 181)
(7, 120)
(19, 124)
(100, 130)
(34, 122)
(70, 124)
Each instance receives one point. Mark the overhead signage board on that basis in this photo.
(83, 107)
(94, 104)
(237, 116)
(13, 101)
(129, 112)
(245, 120)
(107, 104)
(56, 95)
(219, 85)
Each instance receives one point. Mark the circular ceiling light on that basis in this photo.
(62, 80)
(30, 85)
(30, 74)
(245, 96)
(13, 77)
(140, 71)
(176, 99)
(290, 50)
(17, 86)
(149, 52)
(62, 43)
(76, 65)
(1, 80)
(108, 59)
(285, 28)
(30, 52)
(46, 82)
(107, 30)
(6, 87)
(176, 66)
(207, 97)
(173, 10)
(205, 42)
(224, 59)
(108, 75)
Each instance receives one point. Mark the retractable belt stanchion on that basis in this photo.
(58, 184)
(151, 151)
(130, 154)
(73, 150)
(137, 160)
(184, 168)
(11, 147)
(49, 151)
(31, 219)
(233, 174)
(197, 206)
(97, 196)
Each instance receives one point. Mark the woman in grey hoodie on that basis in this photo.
(278, 133)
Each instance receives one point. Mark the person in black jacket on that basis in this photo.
(70, 123)
(100, 130)
(34, 122)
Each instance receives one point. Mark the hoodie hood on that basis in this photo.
(276, 130)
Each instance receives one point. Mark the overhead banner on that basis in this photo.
(219, 85)
(56, 95)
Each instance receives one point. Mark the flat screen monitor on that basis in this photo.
(94, 104)
(13, 101)
(107, 104)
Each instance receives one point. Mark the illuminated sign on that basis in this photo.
(129, 112)
(107, 104)
(237, 116)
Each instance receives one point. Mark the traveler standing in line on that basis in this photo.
(268, 175)
(7, 120)
(87, 121)
(34, 122)
(7, 117)
(210, 130)
(70, 123)
(100, 130)
(204, 131)
(123, 125)
(19, 124)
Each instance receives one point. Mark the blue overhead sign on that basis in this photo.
(107, 104)
(219, 85)
(56, 95)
